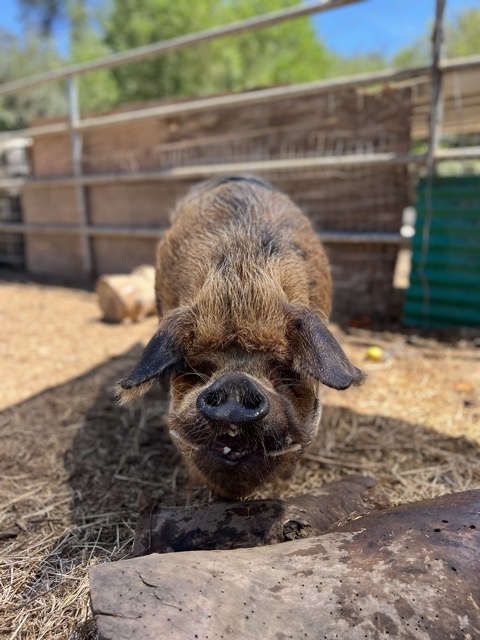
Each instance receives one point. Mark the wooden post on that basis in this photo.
(436, 109)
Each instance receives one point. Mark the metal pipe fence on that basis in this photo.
(76, 126)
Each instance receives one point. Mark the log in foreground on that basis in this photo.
(409, 572)
(249, 523)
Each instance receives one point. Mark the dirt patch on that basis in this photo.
(76, 468)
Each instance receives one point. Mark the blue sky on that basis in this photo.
(383, 26)
(372, 26)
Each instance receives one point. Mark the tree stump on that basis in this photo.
(127, 296)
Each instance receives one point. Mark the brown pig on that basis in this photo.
(243, 292)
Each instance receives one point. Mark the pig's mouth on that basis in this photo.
(232, 449)
(234, 445)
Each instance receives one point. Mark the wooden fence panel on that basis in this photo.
(336, 199)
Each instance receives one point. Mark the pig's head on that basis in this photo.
(243, 412)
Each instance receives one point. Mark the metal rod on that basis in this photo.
(174, 44)
(459, 64)
(181, 173)
(433, 140)
(373, 237)
(149, 233)
(207, 171)
(246, 98)
(73, 229)
(76, 144)
(249, 97)
(460, 153)
(436, 104)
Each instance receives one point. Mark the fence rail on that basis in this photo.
(145, 233)
(258, 166)
(75, 126)
(174, 44)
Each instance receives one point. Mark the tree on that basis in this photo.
(83, 19)
(463, 34)
(462, 38)
(27, 56)
(287, 52)
(41, 15)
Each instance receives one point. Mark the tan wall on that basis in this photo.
(122, 255)
(53, 255)
(147, 204)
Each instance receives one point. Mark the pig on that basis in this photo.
(243, 292)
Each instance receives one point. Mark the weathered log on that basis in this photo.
(409, 572)
(250, 523)
(128, 296)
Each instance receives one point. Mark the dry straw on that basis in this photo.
(76, 469)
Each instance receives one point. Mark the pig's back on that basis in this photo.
(243, 224)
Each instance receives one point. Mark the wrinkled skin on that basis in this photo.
(243, 293)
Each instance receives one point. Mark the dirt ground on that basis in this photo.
(75, 468)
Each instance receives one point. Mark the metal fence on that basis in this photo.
(77, 127)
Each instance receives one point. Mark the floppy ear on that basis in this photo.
(161, 357)
(318, 353)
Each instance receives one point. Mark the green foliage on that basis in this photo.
(358, 64)
(20, 57)
(463, 34)
(418, 54)
(98, 90)
(287, 52)
(462, 38)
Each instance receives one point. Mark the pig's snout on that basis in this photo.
(233, 398)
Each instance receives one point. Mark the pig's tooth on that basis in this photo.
(226, 450)
(232, 431)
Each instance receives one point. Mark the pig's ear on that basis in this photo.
(316, 351)
(161, 357)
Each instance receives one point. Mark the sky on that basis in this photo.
(370, 26)
(381, 26)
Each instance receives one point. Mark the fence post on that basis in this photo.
(436, 108)
(76, 145)
(435, 130)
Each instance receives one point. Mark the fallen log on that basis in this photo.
(127, 296)
(408, 572)
(250, 523)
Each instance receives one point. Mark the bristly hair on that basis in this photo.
(124, 396)
(216, 182)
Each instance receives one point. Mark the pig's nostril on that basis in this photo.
(215, 398)
(253, 401)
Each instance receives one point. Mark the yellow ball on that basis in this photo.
(375, 353)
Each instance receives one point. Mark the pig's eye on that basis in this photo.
(198, 373)
(285, 378)
(279, 373)
(288, 376)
